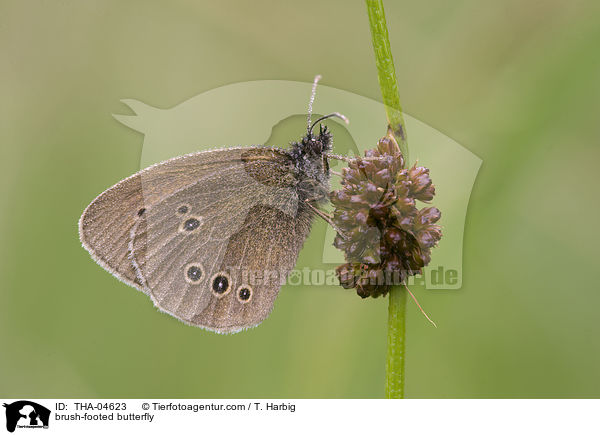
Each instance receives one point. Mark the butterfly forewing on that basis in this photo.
(106, 224)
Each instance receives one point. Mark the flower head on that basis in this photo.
(384, 236)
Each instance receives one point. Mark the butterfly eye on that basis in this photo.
(244, 294)
(221, 284)
(141, 211)
(194, 273)
(183, 209)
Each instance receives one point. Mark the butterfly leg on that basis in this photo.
(327, 218)
(351, 159)
(338, 157)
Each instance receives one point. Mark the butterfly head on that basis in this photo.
(316, 144)
(312, 147)
(309, 157)
(311, 153)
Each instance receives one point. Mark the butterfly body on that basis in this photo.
(211, 236)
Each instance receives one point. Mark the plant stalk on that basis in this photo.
(394, 384)
(386, 74)
(394, 366)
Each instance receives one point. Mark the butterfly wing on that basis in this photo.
(106, 224)
(209, 236)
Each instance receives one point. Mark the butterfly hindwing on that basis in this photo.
(257, 259)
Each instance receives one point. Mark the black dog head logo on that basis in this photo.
(33, 412)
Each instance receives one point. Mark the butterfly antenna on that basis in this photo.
(331, 115)
(312, 100)
(419, 305)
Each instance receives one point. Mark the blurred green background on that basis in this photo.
(516, 82)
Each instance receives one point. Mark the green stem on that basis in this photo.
(386, 74)
(394, 385)
(394, 366)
